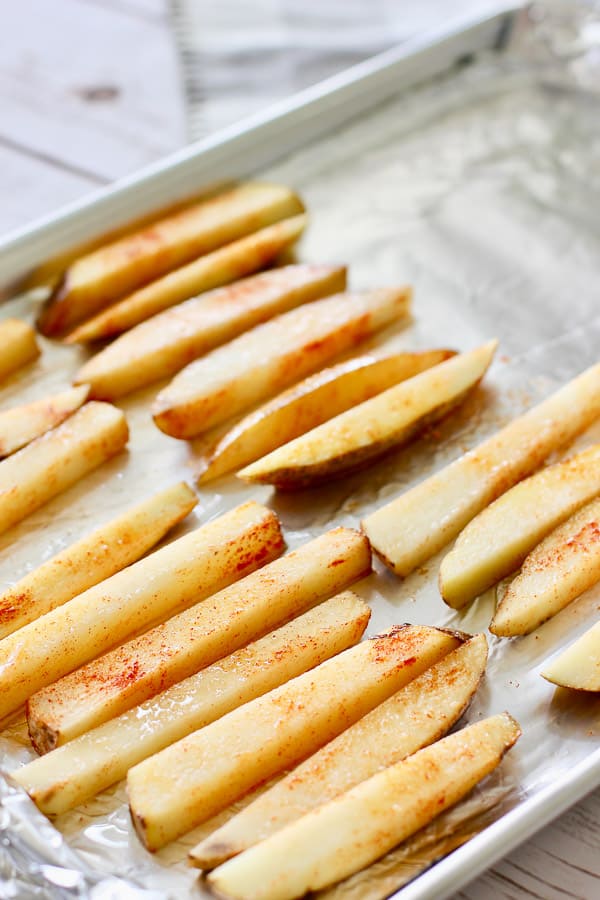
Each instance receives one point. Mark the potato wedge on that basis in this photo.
(95, 557)
(22, 424)
(193, 779)
(196, 638)
(104, 275)
(236, 260)
(350, 832)
(418, 714)
(270, 357)
(192, 567)
(315, 400)
(169, 341)
(360, 435)
(53, 462)
(578, 666)
(71, 774)
(413, 527)
(19, 346)
(558, 570)
(496, 541)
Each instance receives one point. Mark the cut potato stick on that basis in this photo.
(168, 580)
(193, 779)
(19, 346)
(169, 341)
(558, 570)
(270, 357)
(413, 527)
(228, 263)
(353, 830)
(95, 557)
(496, 541)
(196, 638)
(89, 764)
(22, 424)
(360, 435)
(418, 714)
(53, 462)
(104, 275)
(578, 666)
(315, 400)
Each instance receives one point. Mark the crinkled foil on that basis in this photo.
(481, 188)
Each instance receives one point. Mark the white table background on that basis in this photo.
(90, 90)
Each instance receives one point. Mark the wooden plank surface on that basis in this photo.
(90, 90)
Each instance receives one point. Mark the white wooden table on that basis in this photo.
(90, 90)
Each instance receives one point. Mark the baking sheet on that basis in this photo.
(482, 189)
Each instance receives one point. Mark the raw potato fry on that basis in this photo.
(168, 580)
(52, 463)
(578, 666)
(19, 346)
(193, 779)
(228, 263)
(105, 275)
(89, 764)
(360, 435)
(169, 341)
(95, 557)
(22, 424)
(315, 400)
(348, 833)
(270, 357)
(496, 541)
(418, 714)
(196, 638)
(558, 570)
(408, 531)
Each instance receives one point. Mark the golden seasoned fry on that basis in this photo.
(418, 714)
(185, 784)
(19, 345)
(360, 435)
(52, 463)
(236, 260)
(270, 357)
(105, 275)
(168, 580)
(353, 830)
(22, 424)
(92, 762)
(208, 631)
(95, 557)
(578, 666)
(409, 530)
(311, 402)
(169, 341)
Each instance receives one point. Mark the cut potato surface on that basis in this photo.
(408, 531)
(104, 275)
(350, 832)
(87, 765)
(197, 637)
(95, 557)
(418, 714)
(171, 578)
(185, 784)
(272, 356)
(19, 346)
(578, 666)
(496, 541)
(315, 400)
(167, 342)
(360, 435)
(22, 424)
(228, 263)
(53, 462)
(558, 570)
